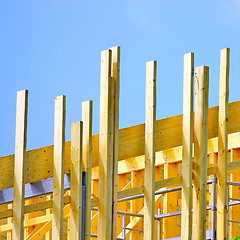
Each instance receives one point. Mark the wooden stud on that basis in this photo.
(122, 206)
(105, 217)
(28, 230)
(19, 165)
(58, 167)
(150, 137)
(186, 216)
(87, 162)
(137, 179)
(116, 78)
(234, 193)
(9, 221)
(223, 145)
(170, 203)
(48, 235)
(76, 181)
(200, 153)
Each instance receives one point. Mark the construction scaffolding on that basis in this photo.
(174, 178)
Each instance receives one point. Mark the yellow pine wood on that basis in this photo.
(116, 78)
(48, 235)
(76, 181)
(131, 144)
(222, 145)
(200, 153)
(137, 179)
(122, 206)
(234, 193)
(170, 203)
(9, 221)
(105, 217)
(150, 137)
(58, 167)
(186, 216)
(87, 162)
(20, 165)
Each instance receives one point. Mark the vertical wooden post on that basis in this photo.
(48, 235)
(170, 203)
(76, 181)
(9, 221)
(137, 179)
(58, 167)
(223, 145)
(234, 193)
(19, 165)
(186, 216)
(116, 79)
(105, 217)
(122, 206)
(150, 137)
(200, 153)
(87, 162)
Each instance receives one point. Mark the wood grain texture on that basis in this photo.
(150, 138)
(105, 217)
(58, 167)
(223, 145)
(87, 108)
(187, 148)
(20, 165)
(131, 144)
(200, 153)
(76, 181)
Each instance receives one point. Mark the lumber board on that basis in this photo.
(76, 181)
(234, 193)
(105, 216)
(186, 217)
(222, 145)
(131, 144)
(170, 203)
(200, 153)
(150, 138)
(87, 108)
(116, 78)
(20, 165)
(58, 167)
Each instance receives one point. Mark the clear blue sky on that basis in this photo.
(53, 48)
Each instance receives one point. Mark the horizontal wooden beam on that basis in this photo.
(173, 155)
(131, 144)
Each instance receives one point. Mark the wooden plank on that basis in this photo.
(170, 203)
(131, 144)
(9, 221)
(116, 79)
(105, 217)
(186, 217)
(87, 162)
(48, 235)
(137, 179)
(37, 207)
(200, 153)
(20, 165)
(28, 230)
(234, 193)
(76, 181)
(58, 167)
(150, 137)
(222, 145)
(122, 206)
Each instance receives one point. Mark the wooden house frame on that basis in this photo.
(167, 178)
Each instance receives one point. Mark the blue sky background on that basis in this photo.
(53, 48)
